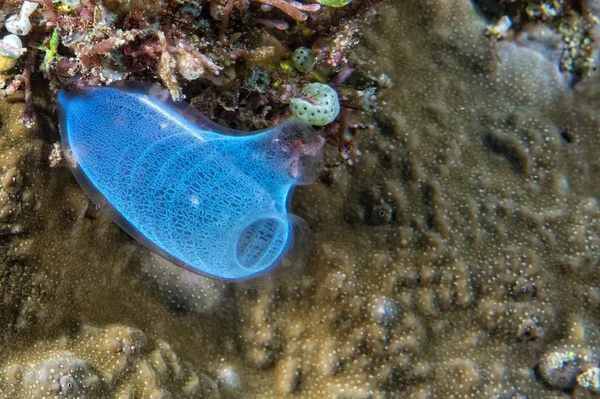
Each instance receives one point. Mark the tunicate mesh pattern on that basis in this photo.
(258, 244)
(190, 194)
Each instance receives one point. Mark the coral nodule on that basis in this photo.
(203, 196)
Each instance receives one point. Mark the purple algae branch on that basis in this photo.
(294, 9)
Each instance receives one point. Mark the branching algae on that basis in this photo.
(205, 197)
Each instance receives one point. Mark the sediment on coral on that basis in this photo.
(117, 361)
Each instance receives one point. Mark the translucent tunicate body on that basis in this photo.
(206, 197)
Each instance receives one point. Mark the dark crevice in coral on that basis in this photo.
(567, 136)
(491, 9)
(509, 147)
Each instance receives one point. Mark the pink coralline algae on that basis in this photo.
(211, 52)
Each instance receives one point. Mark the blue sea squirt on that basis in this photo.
(203, 196)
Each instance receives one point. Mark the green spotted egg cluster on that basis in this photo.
(335, 3)
(303, 59)
(326, 105)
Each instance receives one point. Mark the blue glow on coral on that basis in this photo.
(203, 196)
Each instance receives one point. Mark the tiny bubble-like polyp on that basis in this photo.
(322, 111)
(303, 59)
(205, 197)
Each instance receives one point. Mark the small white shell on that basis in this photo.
(13, 40)
(8, 56)
(20, 24)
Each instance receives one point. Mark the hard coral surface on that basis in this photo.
(458, 256)
(117, 361)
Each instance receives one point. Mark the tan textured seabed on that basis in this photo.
(454, 259)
